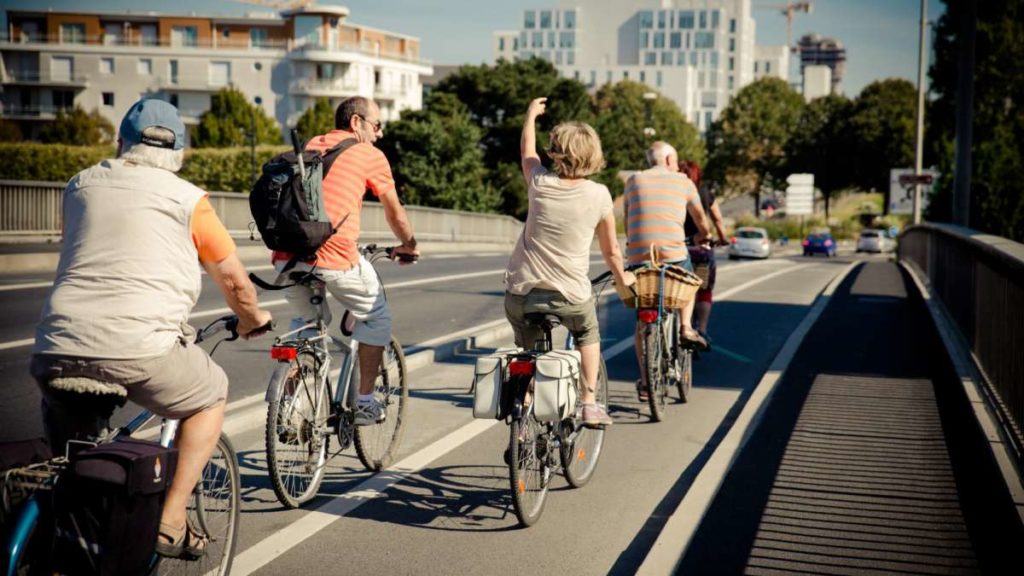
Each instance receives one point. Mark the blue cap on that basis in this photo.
(150, 112)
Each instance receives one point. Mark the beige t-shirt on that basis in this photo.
(553, 252)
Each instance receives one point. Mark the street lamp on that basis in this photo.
(649, 98)
(252, 137)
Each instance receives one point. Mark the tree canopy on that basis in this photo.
(882, 125)
(78, 128)
(229, 122)
(319, 119)
(822, 145)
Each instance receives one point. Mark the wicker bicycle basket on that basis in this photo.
(678, 284)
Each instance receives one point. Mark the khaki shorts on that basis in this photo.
(579, 319)
(178, 384)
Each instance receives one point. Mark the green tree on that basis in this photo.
(621, 118)
(997, 171)
(229, 122)
(882, 125)
(496, 98)
(78, 128)
(316, 120)
(747, 144)
(439, 162)
(822, 145)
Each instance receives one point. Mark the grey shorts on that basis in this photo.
(178, 384)
(579, 319)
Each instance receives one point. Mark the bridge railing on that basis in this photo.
(979, 279)
(34, 208)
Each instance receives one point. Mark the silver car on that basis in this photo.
(872, 240)
(750, 242)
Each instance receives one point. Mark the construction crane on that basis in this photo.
(788, 10)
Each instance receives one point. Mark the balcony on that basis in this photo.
(187, 83)
(31, 111)
(389, 92)
(302, 49)
(323, 87)
(37, 78)
(105, 41)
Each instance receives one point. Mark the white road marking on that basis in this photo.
(17, 343)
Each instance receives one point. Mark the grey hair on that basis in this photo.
(658, 152)
(153, 157)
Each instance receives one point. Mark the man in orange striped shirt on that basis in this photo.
(656, 203)
(350, 278)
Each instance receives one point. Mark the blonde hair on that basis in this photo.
(575, 150)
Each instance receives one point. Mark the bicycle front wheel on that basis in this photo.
(529, 468)
(296, 434)
(377, 444)
(213, 511)
(579, 458)
(653, 352)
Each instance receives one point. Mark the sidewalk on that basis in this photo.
(866, 460)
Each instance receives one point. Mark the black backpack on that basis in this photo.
(107, 507)
(287, 202)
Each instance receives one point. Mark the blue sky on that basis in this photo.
(880, 35)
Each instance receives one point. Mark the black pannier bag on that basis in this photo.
(107, 508)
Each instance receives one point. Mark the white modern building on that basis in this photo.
(771, 61)
(817, 81)
(505, 45)
(697, 52)
(51, 61)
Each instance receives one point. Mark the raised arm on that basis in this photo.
(528, 141)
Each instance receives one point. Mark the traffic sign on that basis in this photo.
(901, 195)
(800, 194)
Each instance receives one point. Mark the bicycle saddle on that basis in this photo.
(84, 385)
(545, 320)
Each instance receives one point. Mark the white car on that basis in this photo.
(872, 240)
(750, 242)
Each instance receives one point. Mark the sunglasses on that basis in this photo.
(376, 125)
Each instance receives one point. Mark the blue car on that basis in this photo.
(820, 243)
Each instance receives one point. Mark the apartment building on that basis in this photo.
(697, 52)
(51, 61)
(816, 50)
(771, 61)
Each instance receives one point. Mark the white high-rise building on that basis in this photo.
(697, 52)
(817, 81)
(771, 61)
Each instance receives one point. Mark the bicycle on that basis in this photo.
(213, 510)
(535, 443)
(667, 360)
(304, 408)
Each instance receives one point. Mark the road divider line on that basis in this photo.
(272, 547)
(674, 539)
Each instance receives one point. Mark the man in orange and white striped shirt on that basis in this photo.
(350, 278)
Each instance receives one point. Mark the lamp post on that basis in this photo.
(649, 98)
(919, 135)
(252, 137)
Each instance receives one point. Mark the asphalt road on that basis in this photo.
(444, 507)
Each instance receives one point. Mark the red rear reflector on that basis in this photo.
(648, 316)
(807, 242)
(520, 368)
(732, 240)
(283, 353)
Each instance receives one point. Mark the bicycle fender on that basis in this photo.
(18, 541)
(274, 387)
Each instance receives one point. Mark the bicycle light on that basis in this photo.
(648, 316)
(284, 353)
(520, 368)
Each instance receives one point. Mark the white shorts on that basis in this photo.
(358, 291)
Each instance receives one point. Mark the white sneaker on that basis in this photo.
(369, 414)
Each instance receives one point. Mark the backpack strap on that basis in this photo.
(332, 154)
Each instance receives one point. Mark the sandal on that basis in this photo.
(189, 545)
(642, 392)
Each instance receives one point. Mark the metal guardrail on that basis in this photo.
(979, 279)
(35, 208)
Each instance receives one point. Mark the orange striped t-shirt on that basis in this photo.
(358, 169)
(655, 206)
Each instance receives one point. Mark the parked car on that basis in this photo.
(750, 242)
(820, 243)
(873, 240)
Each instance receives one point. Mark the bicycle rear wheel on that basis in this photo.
(529, 468)
(296, 435)
(214, 511)
(654, 365)
(579, 459)
(377, 445)
(685, 381)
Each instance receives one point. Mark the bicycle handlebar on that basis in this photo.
(230, 324)
(601, 278)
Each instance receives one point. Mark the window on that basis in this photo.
(650, 58)
(732, 25)
(570, 58)
(609, 77)
(732, 44)
(147, 35)
(693, 59)
(675, 40)
(184, 36)
(709, 100)
(220, 73)
(522, 39)
(703, 19)
(545, 19)
(730, 82)
(558, 57)
(646, 19)
(713, 77)
(657, 77)
(593, 77)
(501, 44)
(551, 39)
(62, 68)
(732, 64)
(686, 19)
(113, 34)
(643, 77)
(704, 40)
(714, 59)
(145, 67)
(707, 120)
(258, 37)
(681, 59)
(767, 67)
(72, 33)
(645, 40)
(576, 75)
(308, 28)
(661, 19)
(515, 44)
(63, 99)
(173, 99)
(701, 79)
(666, 58)
(529, 19)
(527, 55)
(625, 74)
(755, 67)
(106, 65)
(172, 71)
(108, 99)
(659, 39)
(226, 33)
(714, 19)
(569, 21)
(566, 39)
(538, 40)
